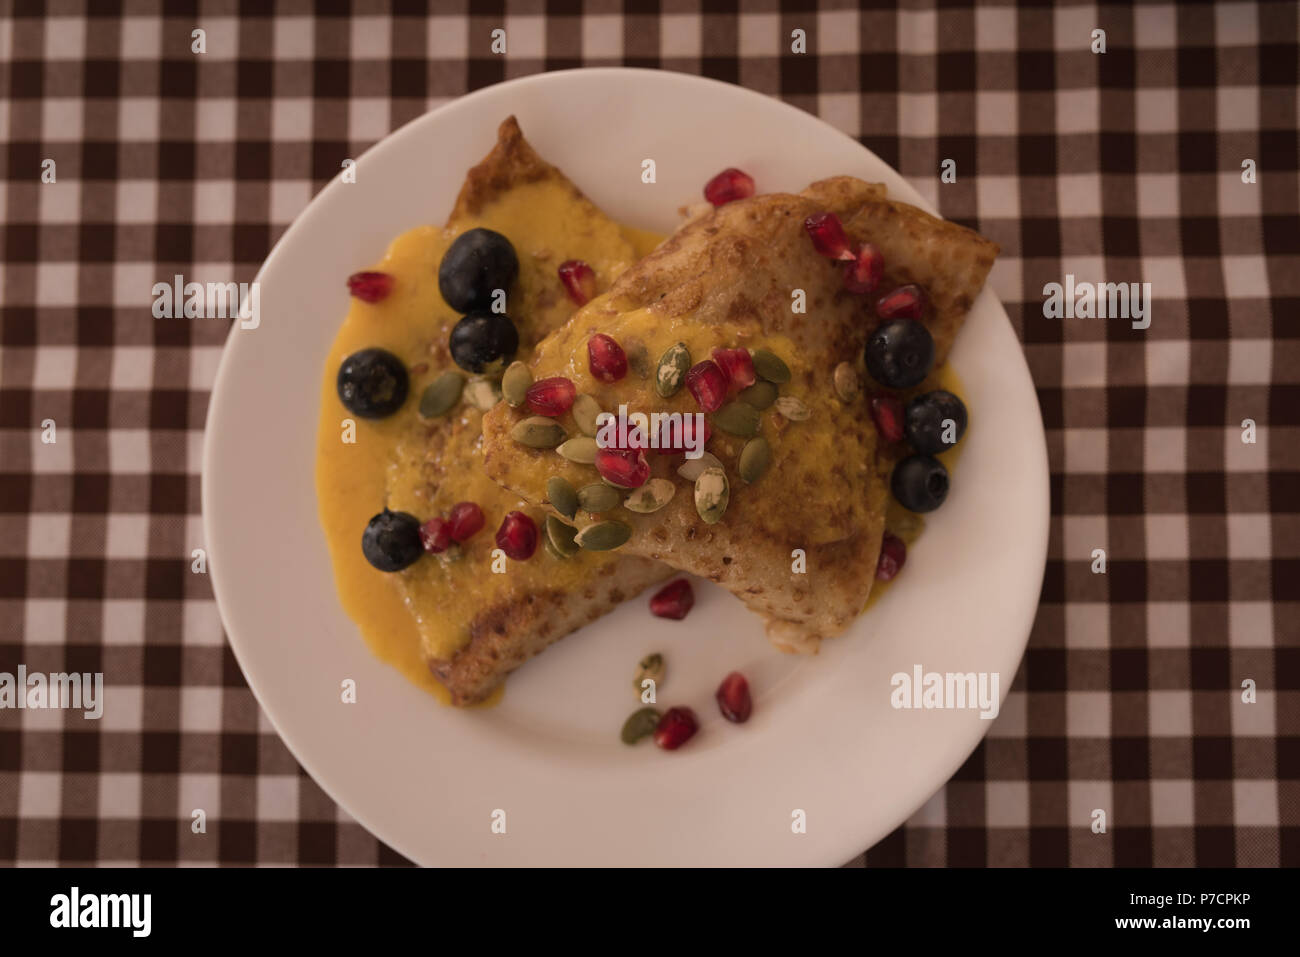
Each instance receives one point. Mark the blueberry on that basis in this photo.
(920, 483)
(479, 262)
(392, 541)
(482, 341)
(373, 383)
(900, 353)
(926, 415)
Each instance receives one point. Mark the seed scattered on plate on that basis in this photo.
(581, 449)
(441, 395)
(711, 495)
(598, 497)
(561, 536)
(482, 394)
(691, 468)
(846, 382)
(640, 724)
(759, 396)
(515, 383)
(603, 536)
(770, 366)
(738, 419)
(796, 410)
(652, 667)
(673, 365)
(585, 411)
(651, 496)
(538, 432)
(754, 459)
(562, 496)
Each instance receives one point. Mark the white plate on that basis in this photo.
(824, 737)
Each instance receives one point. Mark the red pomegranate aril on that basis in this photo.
(887, 413)
(737, 365)
(828, 237)
(435, 535)
(733, 698)
(729, 185)
(676, 727)
(370, 286)
(552, 396)
(625, 468)
(675, 437)
(517, 536)
(905, 302)
(708, 383)
(465, 519)
(893, 553)
(862, 275)
(579, 280)
(606, 358)
(674, 600)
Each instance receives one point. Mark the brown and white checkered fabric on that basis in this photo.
(1124, 166)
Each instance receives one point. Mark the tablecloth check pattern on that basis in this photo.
(1124, 166)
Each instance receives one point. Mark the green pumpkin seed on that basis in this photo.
(651, 496)
(770, 366)
(639, 360)
(581, 449)
(793, 409)
(641, 724)
(482, 394)
(673, 366)
(711, 495)
(754, 460)
(759, 396)
(538, 432)
(691, 468)
(551, 550)
(515, 383)
(598, 497)
(561, 536)
(562, 496)
(846, 382)
(737, 418)
(603, 536)
(441, 395)
(585, 410)
(652, 667)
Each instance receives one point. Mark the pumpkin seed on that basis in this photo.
(515, 383)
(754, 460)
(581, 449)
(673, 366)
(711, 495)
(651, 496)
(846, 382)
(598, 497)
(441, 395)
(691, 468)
(483, 394)
(538, 432)
(639, 725)
(652, 667)
(639, 360)
(737, 418)
(770, 366)
(759, 396)
(561, 536)
(550, 548)
(793, 409)
(585, 409)
(562, 496)
(603, 536)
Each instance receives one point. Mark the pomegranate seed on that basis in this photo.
(676, 727)
(517, 536)
(863, 274)
(553, 396)
(905, 302)
(435, 535)
(625, 468)
(893, 553)
(674, 600)
(579, 280)
(708, 384)
(606, 358)
(887, 413)
(730, 184)
(733, 698)
(737, 365)
(370, 286)
(465, 519)
(675, 438)
(828, 236)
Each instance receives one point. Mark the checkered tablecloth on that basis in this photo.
(1124, 165)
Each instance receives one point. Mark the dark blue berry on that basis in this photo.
(373, 383)
(900, 353)
(920, 483)
(483, 341)
(925, 419)
(392, 541)
(478, 263)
